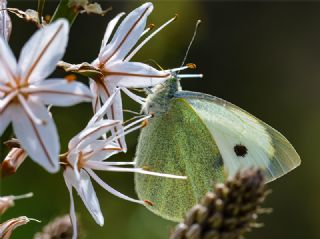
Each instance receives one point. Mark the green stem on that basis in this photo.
(65, 11)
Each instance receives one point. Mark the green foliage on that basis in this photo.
(64, 10)
(40, 9)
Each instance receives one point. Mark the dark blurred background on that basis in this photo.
(262, 56)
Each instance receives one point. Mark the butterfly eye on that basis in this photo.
(240, 150)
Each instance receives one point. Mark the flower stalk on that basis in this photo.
(40, 9)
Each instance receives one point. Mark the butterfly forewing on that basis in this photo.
(243, 140)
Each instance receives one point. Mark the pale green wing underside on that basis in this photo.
(177, 142)
(231, 126)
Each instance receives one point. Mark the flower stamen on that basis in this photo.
(98, 165)
(181, 76)
(29, 111)
(137, 121)
(6, 101)
(4, 88)
(112, 190)
(138, 99)
(23, 196)
(109, 73)
(187, 66)
(149, 28)
(128, 58)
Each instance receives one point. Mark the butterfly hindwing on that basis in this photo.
(243, 140)
(177, 142)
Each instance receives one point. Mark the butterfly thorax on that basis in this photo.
(158, 101)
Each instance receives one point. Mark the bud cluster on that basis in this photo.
(228, 212)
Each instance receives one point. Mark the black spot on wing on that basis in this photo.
(240, 150)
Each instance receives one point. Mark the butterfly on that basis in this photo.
(206, 139)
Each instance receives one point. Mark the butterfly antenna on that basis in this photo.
(155, 63)
(190, 44)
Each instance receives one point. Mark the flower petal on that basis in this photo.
(4, 119)
(39, 140)
(110, 189)
(86, 191)
(73, 216)
(5, 21)
(103, 91)
(109, 29)
(103, 110)
(115, 111)
(8, 63)
(127, 34)
(99, 150)
(90, 134)
(134, 75)
(96, 103)
(59, 92)
(42, 52)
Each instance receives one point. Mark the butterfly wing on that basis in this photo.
(243, 140)
(177, 142)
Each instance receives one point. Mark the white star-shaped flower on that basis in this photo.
(113, 62)
(24, 92)
(87, 152)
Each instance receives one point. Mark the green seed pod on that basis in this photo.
(206, 139)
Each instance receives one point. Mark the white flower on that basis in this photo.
(87, 152)
(24, 92)
(113, 61)
(5, 21)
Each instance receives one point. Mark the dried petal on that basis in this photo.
(29, 15)
(12, 162)
(88, 7)
(95, 8)
(8, 201)
(84, 69)
(5, 204)
(7, 227)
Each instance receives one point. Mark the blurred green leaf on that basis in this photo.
(64, 10)
(40, 9)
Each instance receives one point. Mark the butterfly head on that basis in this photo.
(159, 97)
